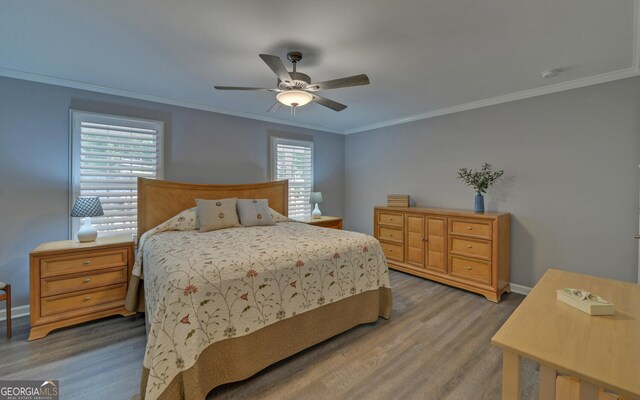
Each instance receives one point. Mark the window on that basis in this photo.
(108, 154)
(293, 160)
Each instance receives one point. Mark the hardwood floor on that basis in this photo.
(435, 346)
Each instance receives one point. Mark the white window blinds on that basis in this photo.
(293, 160)
(109, 153)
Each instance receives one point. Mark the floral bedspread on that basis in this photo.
(201, 288)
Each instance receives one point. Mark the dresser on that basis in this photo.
(74, 282)
(464, 249)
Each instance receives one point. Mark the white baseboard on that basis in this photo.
(520, 289)
(16, 312)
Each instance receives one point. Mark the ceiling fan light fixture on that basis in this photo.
(294, 98)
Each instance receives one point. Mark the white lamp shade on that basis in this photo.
(294, 98)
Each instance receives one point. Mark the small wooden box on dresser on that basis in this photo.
(74, 282)
(464, 249)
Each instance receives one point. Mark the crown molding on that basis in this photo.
(525, 94)
(51, 80)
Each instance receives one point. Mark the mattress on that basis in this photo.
(204, 289)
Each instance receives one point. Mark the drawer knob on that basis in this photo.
(469, 268)
(390, 250)
(86, 280)
(469, 246)
(86, 262)
(469, 228)
(87, 298)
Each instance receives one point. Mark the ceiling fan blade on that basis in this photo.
(275, 107)
(356, 80)
(241, 88)
(277, 66)
(323, 101)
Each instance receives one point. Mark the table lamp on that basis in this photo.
(87, 207)
(316, 198)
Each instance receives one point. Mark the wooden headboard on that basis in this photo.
(160, 200)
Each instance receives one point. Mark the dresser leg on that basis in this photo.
(492, 297)
(39, 332)
(127, 313)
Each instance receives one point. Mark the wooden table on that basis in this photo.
(601, 351)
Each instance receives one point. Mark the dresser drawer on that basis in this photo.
(68, 284)
(393, 251)
(475, 270)
(393, 234)
(78, 263)
(471, 228)
(391, 219)
(470, 247)
(70, 302)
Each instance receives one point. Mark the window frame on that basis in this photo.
(275, 140)
(76, 117)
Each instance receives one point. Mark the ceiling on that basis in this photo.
(424, 57)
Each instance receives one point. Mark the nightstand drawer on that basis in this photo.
(71, 302)
(78, 263)
(332, 224)
(60, 285)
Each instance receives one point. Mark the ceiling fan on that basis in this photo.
(294, 89)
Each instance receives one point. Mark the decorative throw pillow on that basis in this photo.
(277, 217)
(217, 214)
(254, 212)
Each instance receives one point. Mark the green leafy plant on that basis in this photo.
(480, 180)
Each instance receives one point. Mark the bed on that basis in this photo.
(222, 305)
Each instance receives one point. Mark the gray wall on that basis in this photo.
(200, 146)
(571, 162)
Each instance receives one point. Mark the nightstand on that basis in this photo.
(324, 221)
(73, 282)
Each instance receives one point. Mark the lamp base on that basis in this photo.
(87, 232)
(316, 212)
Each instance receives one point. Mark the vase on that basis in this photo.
(479, 204)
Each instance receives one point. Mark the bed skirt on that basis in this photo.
(238, 358)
